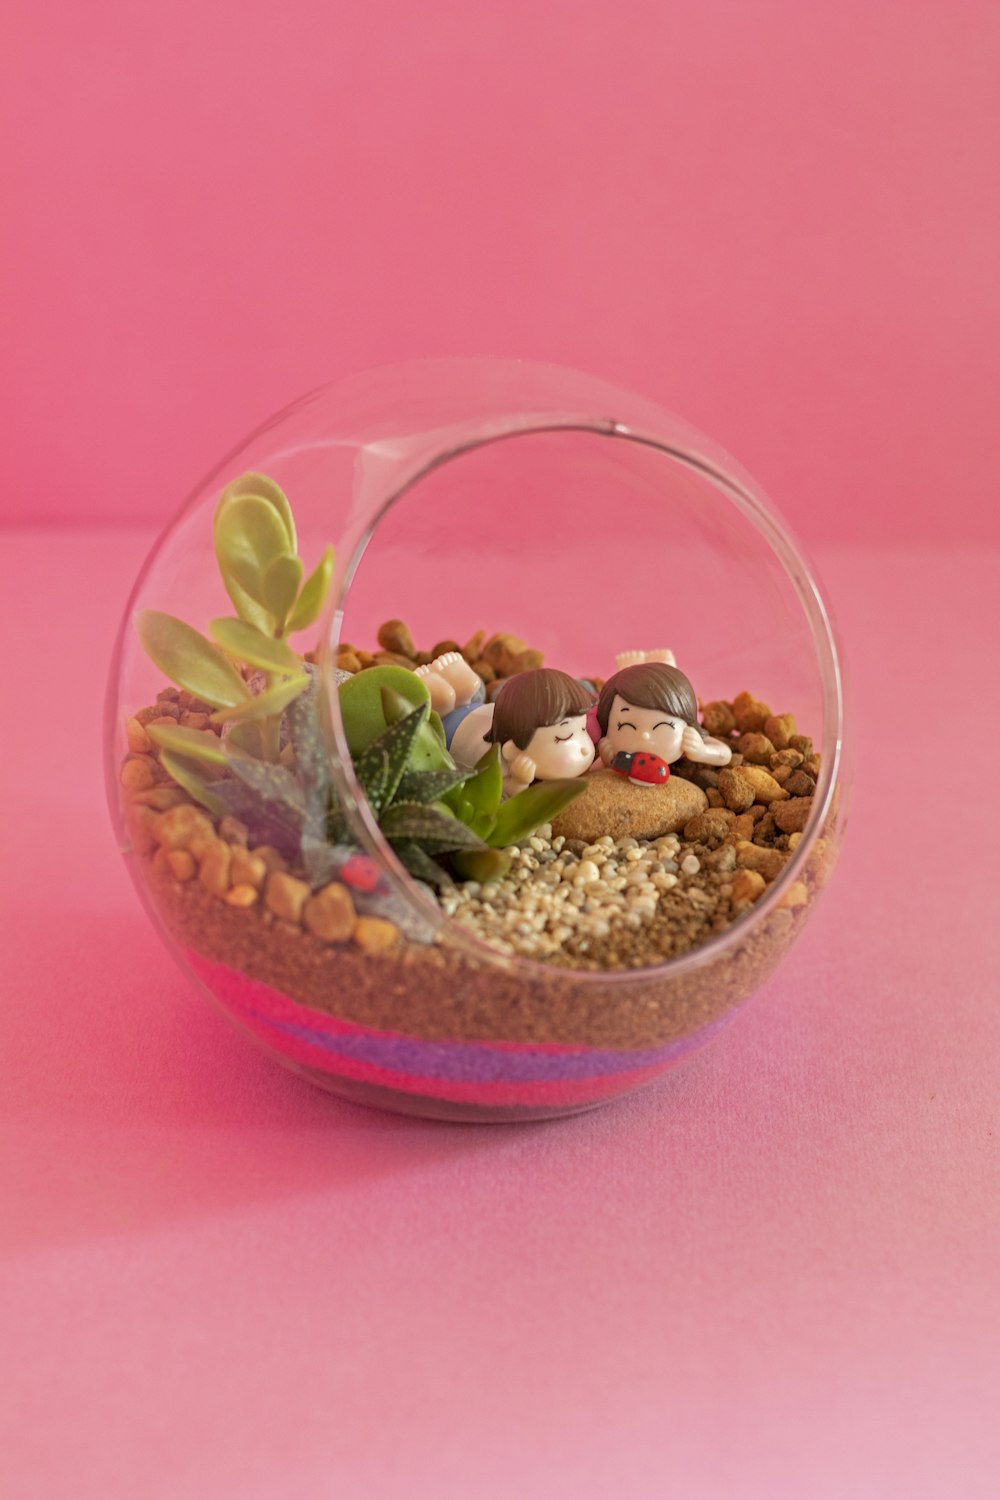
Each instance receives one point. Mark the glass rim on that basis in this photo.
(774, 531)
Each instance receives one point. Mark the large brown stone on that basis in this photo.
(614, 805)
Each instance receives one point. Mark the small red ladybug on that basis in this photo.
(363, 874)
(642, 767)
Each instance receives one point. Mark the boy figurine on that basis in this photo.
(539, 720)
(540, 723)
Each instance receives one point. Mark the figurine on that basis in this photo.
(540, 723)
(648, 718)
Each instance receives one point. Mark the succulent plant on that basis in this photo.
(498, 823)
(438, 818)
(257, 552)
(407, 800)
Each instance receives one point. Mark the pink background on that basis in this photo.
(779, 219)
(773, 1274)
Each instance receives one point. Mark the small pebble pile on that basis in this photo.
(493, 657)
(188, 845)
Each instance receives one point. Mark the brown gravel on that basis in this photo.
(605, 908)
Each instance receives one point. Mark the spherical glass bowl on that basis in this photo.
(506, 496)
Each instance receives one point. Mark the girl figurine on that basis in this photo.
(540, 723)
(648, 718)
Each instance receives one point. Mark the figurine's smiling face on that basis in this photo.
(651, 729)
(563, 749)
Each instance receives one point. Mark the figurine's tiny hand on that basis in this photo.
(692, 742)
(523, 768)
(605, 751)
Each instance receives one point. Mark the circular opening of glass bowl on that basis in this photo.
(582, 519)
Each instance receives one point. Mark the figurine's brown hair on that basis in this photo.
(532, 699)
(650, 684)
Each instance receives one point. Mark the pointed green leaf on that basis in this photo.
(521, 814)
(481, 864)
(272, 782)
(249, 535)
(394, 705)
(436, 830)
(483, 794)
(396, 744)
(436, 726)
(372, 770)
(263, 705)
(197, 744)
(269, 822)
(186, 775)
(312, 760)
(191, 661)
(309, 605)
(281, 586)
(419, 863)
(430, 786)
(246, 643)
(361, 704)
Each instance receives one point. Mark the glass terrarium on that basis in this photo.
(474, 737)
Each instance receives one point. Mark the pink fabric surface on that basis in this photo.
(778, 218)
(772, 1273)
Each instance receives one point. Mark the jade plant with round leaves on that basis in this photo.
(264, 759)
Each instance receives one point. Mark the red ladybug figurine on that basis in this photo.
(641, 767)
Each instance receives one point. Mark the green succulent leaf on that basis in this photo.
(396, 743)
(481, 796)
(372, 770)
(269, 822)
(312, 762)
(362, 708)
(260, 484)
(272, 700)
(188, 659)
(272, 782)
(249, 535)
(196, 744)
(521, 814)
(419, 863)
(395, 706)
(187, 775)
(338, 830)
(481, 864)
(248, 737)
(309, 605)
(246, 643)
(430, 786)
(436, 830)
(282, 582)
